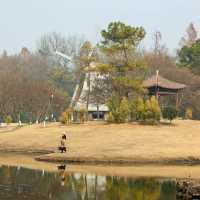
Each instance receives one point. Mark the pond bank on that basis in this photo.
(166, 171)
(65, 158)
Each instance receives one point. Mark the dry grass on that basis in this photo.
(109, 142)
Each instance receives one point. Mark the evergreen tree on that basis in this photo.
(119, 45)
(190, 57)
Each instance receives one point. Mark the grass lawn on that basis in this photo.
(99, 141)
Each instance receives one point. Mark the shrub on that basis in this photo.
(113, 104)
(156, 111)
(110, 118)
(82, 114)
(152, 113)
(8, 119)
(137, 109)
(124, 110)
(64, 119)
(119, 110)
(169, 112)
(189, 113)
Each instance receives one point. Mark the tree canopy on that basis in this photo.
(119, 44)
(189, 56)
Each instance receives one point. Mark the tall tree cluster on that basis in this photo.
(27, 92)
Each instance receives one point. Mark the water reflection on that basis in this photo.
(20, 184)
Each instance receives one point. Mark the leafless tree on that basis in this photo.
(190, 36)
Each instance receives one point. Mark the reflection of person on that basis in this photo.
(62, 174)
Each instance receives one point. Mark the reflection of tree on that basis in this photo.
(42, 186)
(116, 188)
(79, 186)
(145, 189)
(168, 191)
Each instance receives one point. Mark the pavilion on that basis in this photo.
(160, 86)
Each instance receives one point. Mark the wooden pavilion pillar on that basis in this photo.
(177, 100)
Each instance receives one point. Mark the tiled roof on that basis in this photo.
(157, 80)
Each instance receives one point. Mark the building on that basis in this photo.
(162, 87)
(156, 85)
(81, 99)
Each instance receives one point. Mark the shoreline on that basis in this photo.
(51, 157)
(136, 171)
(60, 158)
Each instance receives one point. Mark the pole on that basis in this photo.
(157, 75)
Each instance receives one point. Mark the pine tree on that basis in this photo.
(119, 46)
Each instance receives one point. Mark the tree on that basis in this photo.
(190, 57)
(119, 45)
(191, 36)
(124, 110)
(188, 113)
(169, 112)
(158, 48)
(82, 114)
(51, 42)
(119, 110)
(25, 89)
(152, 111)
(137, 109)
(113, 104)
(8, 119)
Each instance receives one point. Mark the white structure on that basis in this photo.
(79, 99)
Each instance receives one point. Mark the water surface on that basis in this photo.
(17, 183)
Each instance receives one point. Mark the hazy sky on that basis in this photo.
(22, 22)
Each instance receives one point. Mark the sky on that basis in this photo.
(22, 22)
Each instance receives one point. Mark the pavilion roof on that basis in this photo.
(159, 81)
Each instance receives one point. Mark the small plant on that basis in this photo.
(152, 113)
(64, 118)
(169, 112)
(124, 110)
(8, 119)
(110, 118)
(137, 109)
(119, 109)
(189, 113)
(82, 114)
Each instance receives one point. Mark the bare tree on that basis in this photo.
(25, 88)
(49, 43)
(190, 36)
(159, 47)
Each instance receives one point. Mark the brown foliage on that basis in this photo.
(25, 88)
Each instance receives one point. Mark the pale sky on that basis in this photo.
(22, 22)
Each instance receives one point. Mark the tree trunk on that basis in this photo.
(98, 114)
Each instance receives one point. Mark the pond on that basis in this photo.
(17, 183)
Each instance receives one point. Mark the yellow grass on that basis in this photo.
(99, 141)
